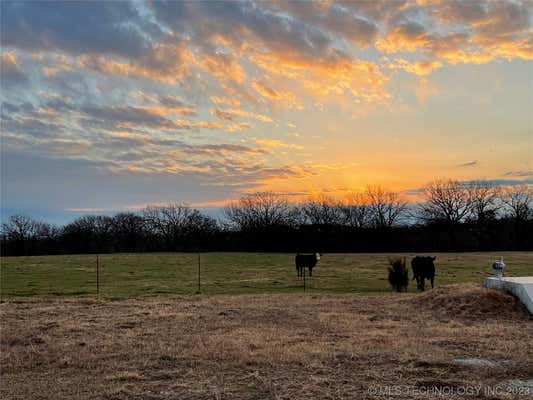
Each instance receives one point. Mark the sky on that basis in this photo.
(110, 106)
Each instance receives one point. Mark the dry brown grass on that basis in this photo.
(261, 346)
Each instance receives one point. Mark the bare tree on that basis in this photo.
(356, 210)
(321, 210)
(22, 228)
(518, 201)
(446, 201)
(485, 204)
(175, 222)
(484, 201)
(386, 208)
(96, 230)
(128, 231)
(260, 210)
(167, 220)
(22, 231)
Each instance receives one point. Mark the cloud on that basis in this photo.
(465, 32)
(469, 164)
(225, 101)
(284, 97)
(462, 11)
(10, 72)
(151, 89)
(420, 68)
(224, 67)
(221, 149)
(76, 27)
(243, 126)
(275, 143)
(335, 19)
(260, 51)
(165, 62)
(229, 114)
(494, 181)
(503, 182)
(332, 75)
(408, 36)
(520, 173)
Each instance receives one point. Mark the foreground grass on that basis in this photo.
(287, 346)
(125, 275)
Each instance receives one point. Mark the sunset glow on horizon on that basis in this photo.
(115, 105)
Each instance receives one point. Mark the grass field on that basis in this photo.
(283, 346)
(126, 275)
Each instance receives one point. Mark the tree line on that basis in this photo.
(451, 216)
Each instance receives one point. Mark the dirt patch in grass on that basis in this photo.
(262, 346)
(469, 301)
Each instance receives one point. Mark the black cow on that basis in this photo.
(423, 268)
(306, 261)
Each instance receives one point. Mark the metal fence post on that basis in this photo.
(199, 269)
(97, 275)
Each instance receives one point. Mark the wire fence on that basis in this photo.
(180, 274)
(140, 274)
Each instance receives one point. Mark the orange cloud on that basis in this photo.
(330, 76)
(285, 96)
(226, 101)
(166, 111)
(223, 66)
(274, 143)
(229, 114)
(417, 67)
(499, 29)
(238, 127)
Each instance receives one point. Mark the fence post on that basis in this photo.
(97, 275)
(199, 282)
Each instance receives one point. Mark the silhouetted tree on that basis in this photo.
(477, 213)
(128, 232)
(22, 231)
(321, 210)
(518, 201)
(174, 223)
(91, 233)
(260, 210)
(484, 200)
(446, 202)
(518, 205)
(386, 208)
(356, 211)
(485, 203)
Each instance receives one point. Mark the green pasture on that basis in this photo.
(127, 275)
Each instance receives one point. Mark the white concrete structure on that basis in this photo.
(521, 287)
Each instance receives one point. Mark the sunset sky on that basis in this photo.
(112, 106)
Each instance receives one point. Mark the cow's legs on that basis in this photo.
(432, 282)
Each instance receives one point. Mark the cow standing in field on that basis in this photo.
(423, 268)
(306, 261)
